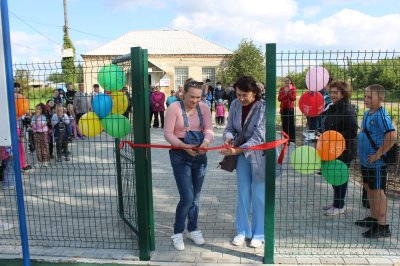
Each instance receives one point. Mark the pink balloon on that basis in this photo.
(317, 78)
(311, 103)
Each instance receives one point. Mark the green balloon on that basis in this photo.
(111, 78)
(335, 172)
(117, 126)
(305, 160)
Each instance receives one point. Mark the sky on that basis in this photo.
(36, 26)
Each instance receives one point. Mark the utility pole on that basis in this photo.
(68, 52)
(66, 17)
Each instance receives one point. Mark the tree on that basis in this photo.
(298, 79)
(23, 77)
(246, 60)
(364, 74)
(79, 73)
(56, 77)
(336, 71)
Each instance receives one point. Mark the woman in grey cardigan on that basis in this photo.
(250, 169)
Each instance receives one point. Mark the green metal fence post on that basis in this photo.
(119, 178)
(270, 155)
(141, 125)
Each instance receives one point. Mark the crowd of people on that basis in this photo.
(188, 125)
(53, 124)
(218, 99)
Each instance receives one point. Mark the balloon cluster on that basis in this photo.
(312, 102)
(108, 108)
(330, 145)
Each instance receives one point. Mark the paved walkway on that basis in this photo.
(80, 200)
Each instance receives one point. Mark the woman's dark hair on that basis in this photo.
(343, 87)
(246, 84)
(42, 108)
(189, 83)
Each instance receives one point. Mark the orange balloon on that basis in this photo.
(21, 105)
(330, 145)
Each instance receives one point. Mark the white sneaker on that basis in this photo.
(327, 207)
(238, 240)
(177, 239)
(45, 164)
(255, 243)
(335, 211)
(196, 237)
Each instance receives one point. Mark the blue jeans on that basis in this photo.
(339, 192)
(9, 175)
(189, 175)
(339, 195)
(250, 196)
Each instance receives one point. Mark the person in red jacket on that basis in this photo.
(287, 97)
(158, 106)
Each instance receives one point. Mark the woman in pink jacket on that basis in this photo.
(188, 125)
(157, 105)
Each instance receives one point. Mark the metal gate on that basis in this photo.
(135, 196)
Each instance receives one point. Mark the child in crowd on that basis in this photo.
(61, 122)
(76, 132)
(376, 137)
(172, 98)
(8, 162)
(27, 119)
(40, 130)
(220, 114)
(204, 100)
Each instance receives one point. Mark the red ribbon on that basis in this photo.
(261, 147)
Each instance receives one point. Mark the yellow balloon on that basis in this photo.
(120, 102)
(90, 124)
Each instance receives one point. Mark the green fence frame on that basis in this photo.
(140, 94)
(270, 135)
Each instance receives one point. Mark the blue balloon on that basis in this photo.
(102, 105)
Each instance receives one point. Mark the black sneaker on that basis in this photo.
(28, 167)
(366, 222)
(59, 159)
(377, 231)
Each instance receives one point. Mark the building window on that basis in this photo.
(181, 74)
(209, 73)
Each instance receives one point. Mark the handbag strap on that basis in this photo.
(244, 128)
(371, 141)
(186, 120)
